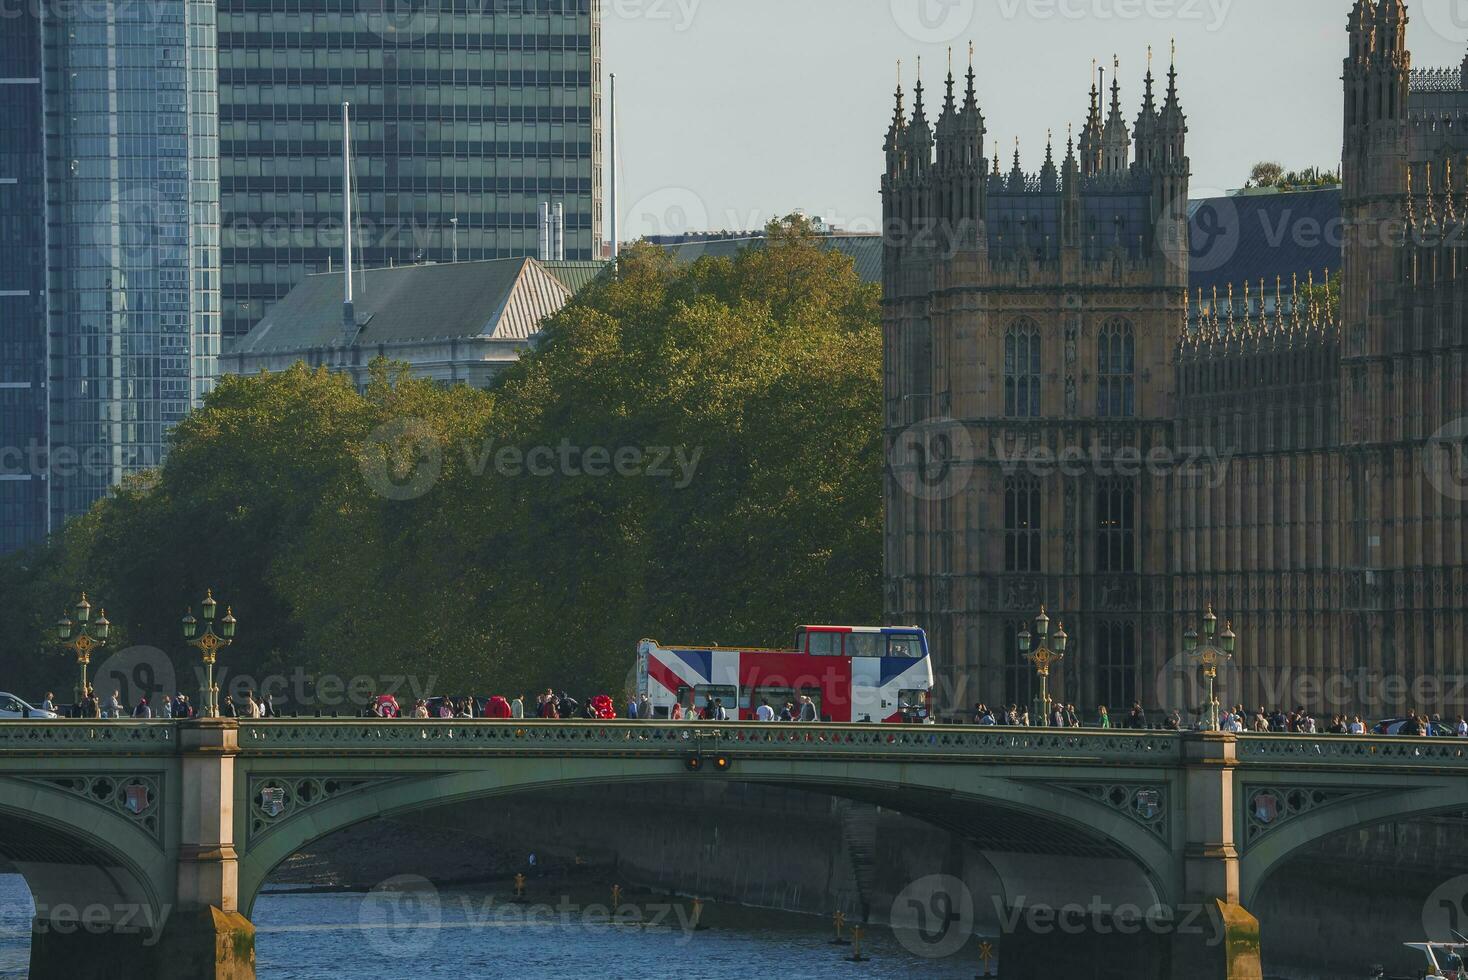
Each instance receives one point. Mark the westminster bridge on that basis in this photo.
(165, 832)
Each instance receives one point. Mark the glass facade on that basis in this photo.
(132, 235)
(22, 288)
(466, 115)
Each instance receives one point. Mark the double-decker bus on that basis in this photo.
(850, 673)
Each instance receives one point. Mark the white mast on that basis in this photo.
(614, 167)
(349, 316)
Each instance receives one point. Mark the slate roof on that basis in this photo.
(500, 299)
(1247, 237)
(576, 276)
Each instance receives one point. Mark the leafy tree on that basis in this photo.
(409, 529)
(1269, 174)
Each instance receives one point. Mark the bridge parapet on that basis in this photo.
(915, 742)
(1349, 751)
(48, 737)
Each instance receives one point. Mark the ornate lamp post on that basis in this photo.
(1043, 656)
(1211, 656)
(208, 644)
(88, 637)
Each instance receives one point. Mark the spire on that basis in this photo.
(919, 114)
(1172, 105)
(899, 115)
(1145, 130)
(1450, 208)
(1016, 175)
(996, 158)
(1048, 173)
(949, 105)
(970, 95)
(1116, 142)
(1091, 131)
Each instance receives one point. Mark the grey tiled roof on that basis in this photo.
(1247, 237)
(504, 299)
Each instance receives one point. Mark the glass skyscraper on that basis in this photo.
(22, 288)
(118, 100)
(466, 115)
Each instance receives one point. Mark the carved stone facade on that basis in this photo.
(1057, 435)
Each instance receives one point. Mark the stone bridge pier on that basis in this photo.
(100, 915)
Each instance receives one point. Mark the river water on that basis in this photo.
(413, 930)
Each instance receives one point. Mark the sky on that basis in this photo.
(731, 112)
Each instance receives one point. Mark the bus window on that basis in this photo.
(825, 644)
(908, 645)
(776, 697)
(864, 644)
(727, 694)
(913, 704)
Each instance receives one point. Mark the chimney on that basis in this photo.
(558, 232)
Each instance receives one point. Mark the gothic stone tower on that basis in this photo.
(1404, 389)
(1031, 323)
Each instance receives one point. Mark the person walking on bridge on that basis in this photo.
(808, 711)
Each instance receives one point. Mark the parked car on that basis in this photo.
(1393, 726)
(14, 707)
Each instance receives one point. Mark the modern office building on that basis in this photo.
(466, 116)
(109, 247)
(22, 288)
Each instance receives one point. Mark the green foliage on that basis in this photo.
(759, 377)
(1270, 174)
(1321, 300)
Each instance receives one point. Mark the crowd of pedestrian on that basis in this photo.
(92, 705)
(1234, 719)
(550, 705)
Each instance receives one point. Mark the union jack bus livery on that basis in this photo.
(850, 673)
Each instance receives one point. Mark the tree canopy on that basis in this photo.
(691, 453)
(1267, 173)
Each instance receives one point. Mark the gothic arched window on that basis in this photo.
(1116, 547)
(1022, 524)
(1116, 666)
(1116, 359)
(1022, 370)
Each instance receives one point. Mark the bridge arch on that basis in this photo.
(83, 863)
(1409, 798)
(915, 789)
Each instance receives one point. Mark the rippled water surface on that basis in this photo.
(470, 933)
